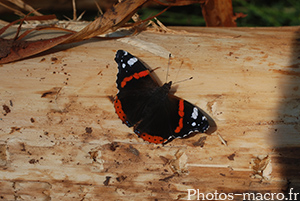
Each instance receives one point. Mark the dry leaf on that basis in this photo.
(16, 49)
(112, 19)
(25, 6)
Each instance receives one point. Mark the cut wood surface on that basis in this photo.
(60, 138)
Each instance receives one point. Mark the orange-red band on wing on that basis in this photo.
(119, 111)
(181, 114)
(135, 76)
(152, 139)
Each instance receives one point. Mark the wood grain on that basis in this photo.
(60, 138)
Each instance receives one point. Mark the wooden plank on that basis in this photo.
(60, 138)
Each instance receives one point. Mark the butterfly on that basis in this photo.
(156, 115)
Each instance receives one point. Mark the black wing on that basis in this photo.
(135, 86)
(175, 118)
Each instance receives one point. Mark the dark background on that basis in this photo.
(259, 13)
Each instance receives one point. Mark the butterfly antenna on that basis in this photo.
(183, 80)
(168, 67)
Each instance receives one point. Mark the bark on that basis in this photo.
(218, 13)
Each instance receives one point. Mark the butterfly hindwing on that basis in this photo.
(191, 119)
(174, 118)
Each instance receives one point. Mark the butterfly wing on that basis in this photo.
(135, 86)
(175, 118)
(191, 119)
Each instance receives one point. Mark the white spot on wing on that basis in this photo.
(132, 61)
(123, 65)
(194, 124)
(195, 113)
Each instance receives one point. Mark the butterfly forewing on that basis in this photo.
(135, 85)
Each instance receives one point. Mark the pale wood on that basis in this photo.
(60, 138)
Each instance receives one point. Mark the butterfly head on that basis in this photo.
(167, 86)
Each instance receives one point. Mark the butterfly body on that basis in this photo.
(156, 115)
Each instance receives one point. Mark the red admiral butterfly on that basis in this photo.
(157, 115)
